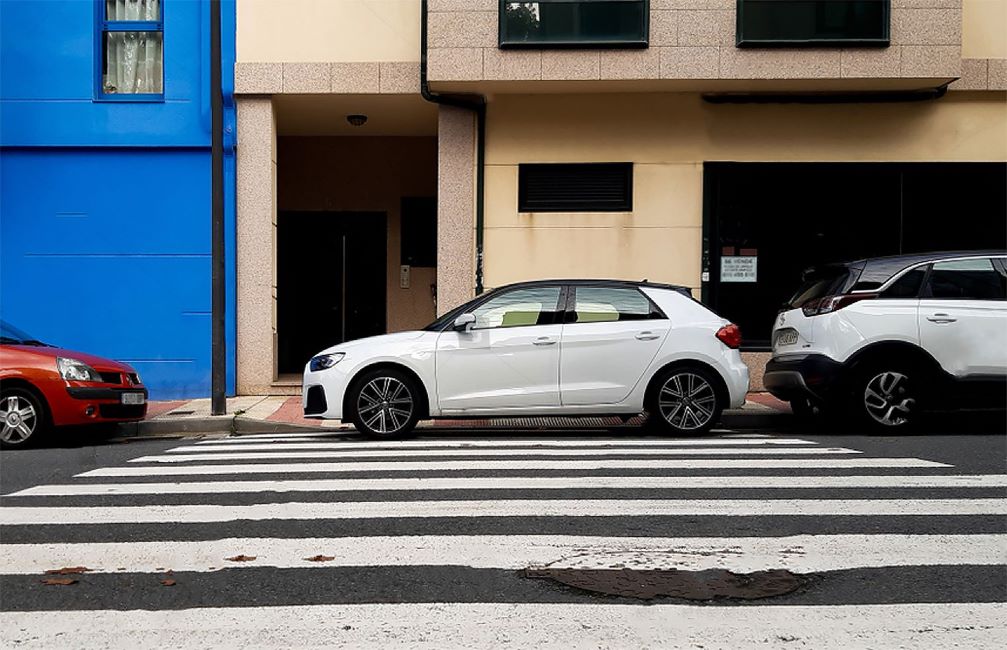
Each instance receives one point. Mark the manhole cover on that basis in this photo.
(709, 584)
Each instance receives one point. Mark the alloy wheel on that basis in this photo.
(385, 405)
(687, 401)
(887, 398)
(19, 419)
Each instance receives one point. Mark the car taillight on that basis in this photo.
(730, 335)
(829, 304)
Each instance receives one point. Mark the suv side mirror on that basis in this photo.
(465, 322)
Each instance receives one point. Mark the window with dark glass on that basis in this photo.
(132, 49)
(574, 23)
(908, 286)
(813, 22)
(575, 187)
(608, 304)
(975, 279)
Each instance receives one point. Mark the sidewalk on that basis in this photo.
(282, 413)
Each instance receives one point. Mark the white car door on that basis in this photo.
(510, 357)
(611, 337)
(963, 317)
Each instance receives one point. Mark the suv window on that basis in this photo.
(609, 304)
(908, 286)
(519, 308)
(974, 279)
(820, 282)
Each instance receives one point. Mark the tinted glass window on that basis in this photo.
(967, 280)
(608, 304)
(583, 22)
(12, 335)
(799, 22)
(908, 286)
(519, 308)
(821, 282)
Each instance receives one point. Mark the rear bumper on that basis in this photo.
(805, 375)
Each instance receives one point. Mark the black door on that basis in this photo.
(330, 281)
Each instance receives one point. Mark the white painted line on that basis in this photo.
(443, 626)
(521, 483)
(465, 465)
(799, 553)
(468, 453)
(11, 516)
(502, 451)
(329, 441)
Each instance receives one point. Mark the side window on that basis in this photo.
(966, 280)
(519, 308)
(908, 286)
(608, 304)
(132, 58)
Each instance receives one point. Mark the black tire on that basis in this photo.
(385, 403)
(806, 409)
(693, 415)
(886, 396)
(21, 429)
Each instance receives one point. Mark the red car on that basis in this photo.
(42, 386)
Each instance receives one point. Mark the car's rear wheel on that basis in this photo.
(886, 396)
(23, 418)
(385, 403)
(685, 401)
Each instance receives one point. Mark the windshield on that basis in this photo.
(820, 282)
(13, 336)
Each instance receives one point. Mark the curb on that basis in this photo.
(237, 425)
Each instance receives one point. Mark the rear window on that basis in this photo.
(823, 281)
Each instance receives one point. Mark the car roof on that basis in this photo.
(875, 271)
(596, 282)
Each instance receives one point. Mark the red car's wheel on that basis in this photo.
(22, 417)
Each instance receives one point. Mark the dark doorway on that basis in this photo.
(331, 281)
(794, 215)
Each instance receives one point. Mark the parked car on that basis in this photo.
(563, 347)
(42, 386)
(889, 338)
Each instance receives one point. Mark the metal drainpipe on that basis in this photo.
(474, 102)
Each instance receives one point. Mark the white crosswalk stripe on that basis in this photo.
(423, 543)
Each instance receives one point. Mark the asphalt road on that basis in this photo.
(294, 541)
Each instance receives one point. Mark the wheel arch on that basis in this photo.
(719, 383)
(20, 382)
(896, 350)
(354, 380)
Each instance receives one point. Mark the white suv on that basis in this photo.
(890, 337)
(561, 347)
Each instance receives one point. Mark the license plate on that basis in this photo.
(786, 337)
(132, 398)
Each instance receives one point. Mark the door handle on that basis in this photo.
(647, 336)
(941, 318)
(544, 340)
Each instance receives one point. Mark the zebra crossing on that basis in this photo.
(311, 540)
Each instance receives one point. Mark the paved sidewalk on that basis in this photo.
(276, 413)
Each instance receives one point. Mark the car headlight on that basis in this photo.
(76, 370)
(323, 361)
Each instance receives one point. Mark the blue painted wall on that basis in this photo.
(105, 206)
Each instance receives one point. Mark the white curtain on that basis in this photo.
(133, 60)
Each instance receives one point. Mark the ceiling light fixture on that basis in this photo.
(357, 120)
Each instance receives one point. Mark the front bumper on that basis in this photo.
(803, 375)
(322, 393)
(77, 405)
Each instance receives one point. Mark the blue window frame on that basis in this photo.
(129, 50)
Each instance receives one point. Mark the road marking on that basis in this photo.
(798, 553)
(522, 483)
(484, 625)
(468, 453)
(466, 465)
(12, 516)
(323, 442)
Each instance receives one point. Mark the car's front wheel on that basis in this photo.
(385, 403)
(22, 417)
(684, 402)
(886, 396)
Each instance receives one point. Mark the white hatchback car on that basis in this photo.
(887, 338)
(563, 347)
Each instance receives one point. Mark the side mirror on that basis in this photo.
(465, 322)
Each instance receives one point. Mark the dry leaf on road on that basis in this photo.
(320, 558)
(168, 582)
(240, 558)
(67, 570)
(59, 581)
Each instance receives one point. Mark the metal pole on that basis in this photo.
(218, 356)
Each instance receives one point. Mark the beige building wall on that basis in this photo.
(322, 31)
(984, 29)
(365, 174)
(668, 137)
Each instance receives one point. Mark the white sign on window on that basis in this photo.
(734, 268)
